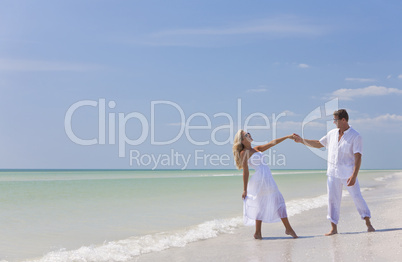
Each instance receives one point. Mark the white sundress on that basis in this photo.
(264, 201)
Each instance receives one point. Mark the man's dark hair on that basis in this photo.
(341, 113)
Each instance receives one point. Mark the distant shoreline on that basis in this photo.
(150, 170)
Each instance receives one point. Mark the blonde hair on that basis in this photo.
(237, 148)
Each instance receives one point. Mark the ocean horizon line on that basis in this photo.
(150, 170)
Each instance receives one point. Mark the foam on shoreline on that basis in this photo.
(127, 249)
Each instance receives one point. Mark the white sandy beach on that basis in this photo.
(352, 243)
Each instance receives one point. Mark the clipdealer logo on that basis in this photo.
(112, 130)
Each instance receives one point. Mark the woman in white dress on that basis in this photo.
(263, 202)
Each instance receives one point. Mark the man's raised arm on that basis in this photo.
(307, 142)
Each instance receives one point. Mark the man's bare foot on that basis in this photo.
(257, 236)
(291, 233)
(370, 228)
(332, 232)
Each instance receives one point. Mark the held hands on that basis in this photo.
(297, 138)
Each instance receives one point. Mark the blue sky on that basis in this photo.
(205, 57)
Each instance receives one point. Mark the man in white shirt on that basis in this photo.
(344, 146)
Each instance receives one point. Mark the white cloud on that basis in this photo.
(381, 119)
(289, 113)
(297, 125)
(38, 65)
(281, 24)
(400, 76)
(289, 125)
(389, 76)
(362, 80)
(259, 90)
(303, 66)
(232, 33)
(348, 94)
(391, 121)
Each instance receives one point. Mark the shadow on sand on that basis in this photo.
(345, 233)
(289, 237)
(377, 230)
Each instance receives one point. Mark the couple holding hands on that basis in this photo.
(263, 202)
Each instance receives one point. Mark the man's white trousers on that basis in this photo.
(334, 187)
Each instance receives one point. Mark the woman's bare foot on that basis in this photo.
(257, 236)
(291, 232)
(288, 228)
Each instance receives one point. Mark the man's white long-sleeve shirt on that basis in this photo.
(341, 155)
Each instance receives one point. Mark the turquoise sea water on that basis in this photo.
(106, 215)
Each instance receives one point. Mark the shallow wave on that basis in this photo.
(383, 178)
(124, 250)
(228, 175)
(128, 249)
(298, 206)
(277, 173)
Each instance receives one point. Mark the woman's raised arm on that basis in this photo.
(274, 142)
